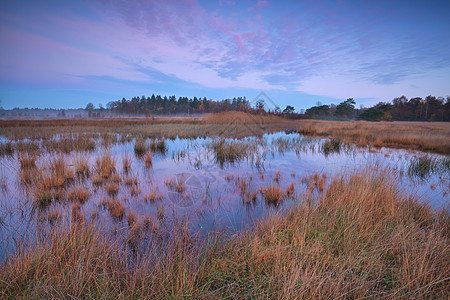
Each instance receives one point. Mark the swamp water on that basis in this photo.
(209, 184)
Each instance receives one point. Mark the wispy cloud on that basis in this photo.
(265, 45)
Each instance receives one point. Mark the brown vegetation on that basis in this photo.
(432, 137)
(361, 240)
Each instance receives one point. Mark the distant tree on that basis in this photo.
(260, 106)
(289, 109)
(89, 106)
(318, 111)
(372, 114)
(346, 109)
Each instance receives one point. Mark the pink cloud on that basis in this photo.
(239, 43)
(258, 5)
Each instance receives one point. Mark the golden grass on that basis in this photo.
(277, 176)
(126, 163)
(80, 194)
(361, 240)
(115, 208)
(105, 164)
(148, 159)
(26, 160)
(273, 194)
(175, 184)
(81, 165)
(426, 136)
(131, 218)
(130, 180)
(112, 188)
(290, 190)
(54, 215)
(135, 190)
(77, 214)
(153, 195)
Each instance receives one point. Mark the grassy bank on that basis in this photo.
(424, 136)
(361, 238)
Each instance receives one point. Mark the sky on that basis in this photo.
(65, 54)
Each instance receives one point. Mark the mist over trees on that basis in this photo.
(157, 105)
(400, 109)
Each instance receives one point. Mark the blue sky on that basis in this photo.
(64, 54)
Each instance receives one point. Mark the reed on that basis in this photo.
(131, 218)
(140, 147)
(81, 164)
(126, 163)
(115, 208)
(273, 194)
(153, 195)
(277, 176)
(362, 239)
(290, 190)
(26, 160)
(80, 194)
(148, 158)
(105, 165)
(112, 188)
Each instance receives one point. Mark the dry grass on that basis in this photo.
(131, 218)
(153, 195)
(97, 179)
(106, 165)
(115, 208)
(77, 214)
(361, 240)
(54, 215)
(426, 136)
(273, 194)
(112, 188)
(432, 137)
(175, 184)
(80, 194)
(26, 160)
(130, 180)
(135, 190)
(290, 190)
(148, 158)
(140, 147)
(277, 176)
(126, 163)
(81, 164)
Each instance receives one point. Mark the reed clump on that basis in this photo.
(26, 160)
(153, 195)
(105, 165)
(126, 163)
(81, 164)
(112, 188)
(148, 158)
(227, 151)
(114, 207)
(80, 194)
(140, 147)
(273, 194)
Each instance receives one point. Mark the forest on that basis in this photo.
(399, 109)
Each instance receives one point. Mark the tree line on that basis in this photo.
(157, 105)
(400, 109)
